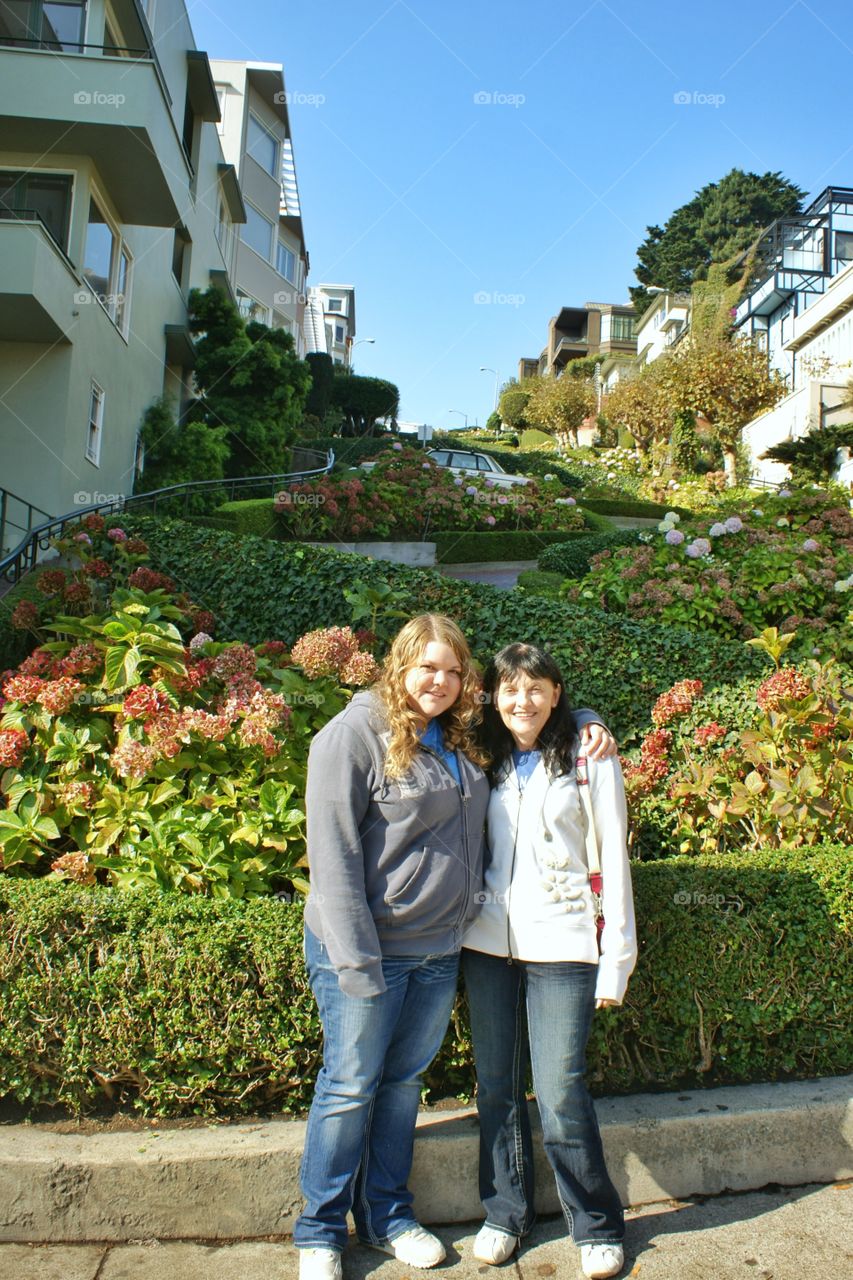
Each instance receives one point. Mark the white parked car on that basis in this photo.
(465, 463)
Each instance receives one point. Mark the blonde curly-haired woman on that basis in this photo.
(396, 804)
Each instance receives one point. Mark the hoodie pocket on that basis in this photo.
(427, 888)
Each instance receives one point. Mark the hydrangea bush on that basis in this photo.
(135, 749)
(405, 495)
(787, 563)
(775, 773)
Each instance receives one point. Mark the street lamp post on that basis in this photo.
(485, 369)
(461, 414)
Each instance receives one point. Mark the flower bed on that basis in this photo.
(137, 750)
(787, 563)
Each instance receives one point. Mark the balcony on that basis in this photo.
(112, 108)
(37, 283)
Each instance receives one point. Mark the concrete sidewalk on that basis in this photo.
(791, 1233)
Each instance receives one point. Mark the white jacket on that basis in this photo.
(537, 903)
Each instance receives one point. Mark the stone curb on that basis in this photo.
(236, 1181)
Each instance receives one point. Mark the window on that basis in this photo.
(623, 327)
(106, 266)
(286, 262)
(101, 251)
(262, 146)
(96, 424)
(223, 229)
(139, 457)
(439, 456)
(335, 304)
(256, 232)
(50, 24)
(250, 308)
(46, 197)
(464, 460)
(189, 134)
(339, 333)
(844, 246)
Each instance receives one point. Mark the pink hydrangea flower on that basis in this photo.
(674, 537)
(83, 538)
(811, 545)
(117, 535)
(734, 524)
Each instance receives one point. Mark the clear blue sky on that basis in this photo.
(424, 198)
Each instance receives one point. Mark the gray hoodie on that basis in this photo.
(396, 863)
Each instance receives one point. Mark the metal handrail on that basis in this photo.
(25, 556)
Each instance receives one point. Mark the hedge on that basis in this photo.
(632, 507)
(574, 561)
(541, 583)
(262, 590)
(254, 515)
(350, 451)
(467, 547)
(172, 1005)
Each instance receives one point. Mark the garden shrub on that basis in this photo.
(533, 438)
(518, 462)
(629, 507)
(777, 773)
(254, 515)
(258, 589)
(132, 756)
(573, 559)
(349, 451)
(13, 640)
(539, 583)
(788, 563)
(172, 1005)
(463, 547)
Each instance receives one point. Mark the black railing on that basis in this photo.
(26, 554)
(57, 45)
(33, 215)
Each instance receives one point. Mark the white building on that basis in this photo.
(660, 326)
(336, 303)
(271, 261)
(801, 313)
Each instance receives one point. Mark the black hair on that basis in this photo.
(559, 733)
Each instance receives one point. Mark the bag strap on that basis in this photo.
(593, 859)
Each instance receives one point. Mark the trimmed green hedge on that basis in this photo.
(174, 1005)
(263, 590)
(255, 516)
(461, 547)
(350, 452)
(540, 583)
(631, 507)
(574, 561)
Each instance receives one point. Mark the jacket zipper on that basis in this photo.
(463, 801)
(509, 955)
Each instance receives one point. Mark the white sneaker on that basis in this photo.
(494, 1246)
(320, 1264)
(601, 1260)
(416, 1247)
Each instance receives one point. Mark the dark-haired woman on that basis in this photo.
(532, 966)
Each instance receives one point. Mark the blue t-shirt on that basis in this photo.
(433, 738)
(525, 762)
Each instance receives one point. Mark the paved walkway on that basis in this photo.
(790, 1233)
(501, 573)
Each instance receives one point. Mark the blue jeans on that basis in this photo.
(361, 1129)
(534, 1014)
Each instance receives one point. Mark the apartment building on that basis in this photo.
(595, 329)
(271, 263)
(801, 313)
(336, 303)
(115, 201)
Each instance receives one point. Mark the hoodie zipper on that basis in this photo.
(463, 808)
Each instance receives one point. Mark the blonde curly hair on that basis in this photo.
(458, 723)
